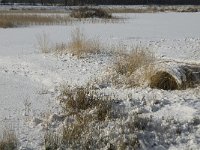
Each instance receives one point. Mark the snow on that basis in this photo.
(29, 80)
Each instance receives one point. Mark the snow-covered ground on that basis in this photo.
(29, 79)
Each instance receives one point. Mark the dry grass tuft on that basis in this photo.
(8, 141)
(127, 64)
(81, 46)
(90, 13)
(43, 43)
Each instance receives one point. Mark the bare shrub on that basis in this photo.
(51, 141)
(76, 99)
(80, 45)
(82, 98)
(90, 13)
(8, 141)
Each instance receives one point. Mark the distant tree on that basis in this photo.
(4, 1)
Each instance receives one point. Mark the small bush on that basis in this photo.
(77, 99)
(81, 99)
(90, 13)
(8, 141)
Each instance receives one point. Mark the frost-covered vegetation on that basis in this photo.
(90, 85)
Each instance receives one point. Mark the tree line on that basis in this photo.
(103, 2)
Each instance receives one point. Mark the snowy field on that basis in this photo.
(29, 79)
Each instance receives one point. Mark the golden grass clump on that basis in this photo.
(130, 69)
(127, 64)
(8, 141)
(81, 46)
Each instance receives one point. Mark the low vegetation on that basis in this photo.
(79, 45)
(86, 108)
(92, 112)
(18, 18)
(87, 12)
(117, 129)
(8, 140)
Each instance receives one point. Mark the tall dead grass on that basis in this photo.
(8, 20)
